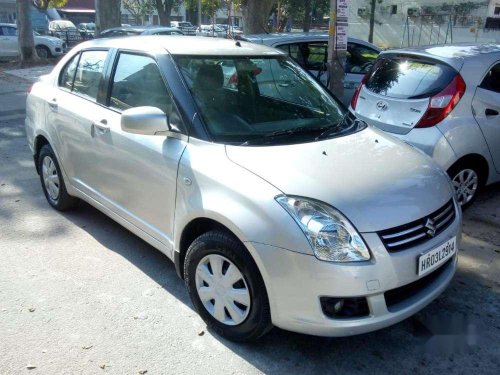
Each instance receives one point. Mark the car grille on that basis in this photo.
(418, 231)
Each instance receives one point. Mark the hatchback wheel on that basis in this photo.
(467, 182)
(226, 287)
(52, 181)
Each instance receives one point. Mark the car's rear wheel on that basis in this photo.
(43, 52)
(467, 180)
(52, 181)
(226, 287)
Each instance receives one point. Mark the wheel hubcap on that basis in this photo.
(222, 289)
(465, 182)
(50, 177)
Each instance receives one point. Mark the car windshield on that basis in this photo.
(185, 24)
(261, 100)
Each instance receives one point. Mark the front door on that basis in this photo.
(136, 175)
(486, 106)
(8, 41)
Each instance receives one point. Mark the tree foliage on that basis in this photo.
(44, 4)
(139, 9)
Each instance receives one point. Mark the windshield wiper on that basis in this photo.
(299, 130)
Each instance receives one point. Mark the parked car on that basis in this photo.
(187, 28)
(211, 31)
(277, 206)
(65, 30)
(444, 100)
(138, 30)
(310, 50)
(86, 30)
(46, 46)
(231, 31)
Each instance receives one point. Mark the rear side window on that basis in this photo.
(89, 73)
(492, 79)
(406, 78)
(359, 58)
(68, 73)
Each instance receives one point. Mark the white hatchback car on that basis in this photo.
(444, 100)
(46, 46)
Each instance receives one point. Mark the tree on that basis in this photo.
(26, 39)
(256, 15)
(44, 4)
(107, 14)
(208, 7)
(372, 19)
(164, 8)
(139, 9)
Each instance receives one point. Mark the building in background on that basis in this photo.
(177, 14)
(78, 11)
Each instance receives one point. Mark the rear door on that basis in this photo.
(8, 41)
(486, 109)
(396, 95)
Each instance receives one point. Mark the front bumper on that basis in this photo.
(295, 282)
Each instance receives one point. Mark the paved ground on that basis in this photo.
(80, 294)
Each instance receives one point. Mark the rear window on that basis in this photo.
(409, 79)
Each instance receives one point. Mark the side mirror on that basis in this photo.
(144, 120)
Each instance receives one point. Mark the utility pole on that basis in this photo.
(199, 13)
(337, 45)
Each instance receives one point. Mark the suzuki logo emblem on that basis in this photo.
(382, 106)
(431, 228)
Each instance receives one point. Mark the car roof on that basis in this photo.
(8, 24)
(451, 54)
(126, 28)
(274, 38)
(184, 45)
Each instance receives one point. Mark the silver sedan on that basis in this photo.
(276, 205)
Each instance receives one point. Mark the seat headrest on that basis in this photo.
(209, 77)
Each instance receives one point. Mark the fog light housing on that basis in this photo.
(341, 308)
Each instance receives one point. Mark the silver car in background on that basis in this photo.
(445, 100)
(277, 206)
(309, 50)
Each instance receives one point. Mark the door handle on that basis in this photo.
(102, 126)
(491, 112)
(53, 104)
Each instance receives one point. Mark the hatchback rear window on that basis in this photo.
(409, 79)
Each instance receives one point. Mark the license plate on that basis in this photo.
(434, 258)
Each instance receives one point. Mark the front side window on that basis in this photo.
(260, 100)
(405, 78)
(89, 73)
(9, 31)
(137, 82)
(492, 79)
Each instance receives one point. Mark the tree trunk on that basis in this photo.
(256, 15)
(25, 31)
(372, 20)
(307, 15)
(107, 15)
(164, 8)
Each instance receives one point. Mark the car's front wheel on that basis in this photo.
(226, 287)
(43, 52)
(52, 181)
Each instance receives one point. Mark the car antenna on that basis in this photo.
(238, 44)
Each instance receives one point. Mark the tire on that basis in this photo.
(254, 308)
(52, 181)
(43, 52)
(468, 180)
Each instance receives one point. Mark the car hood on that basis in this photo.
(375, 180)
(40, 38)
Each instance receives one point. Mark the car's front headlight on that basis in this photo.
(332, 237)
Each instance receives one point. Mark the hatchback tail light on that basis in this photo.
(354, 99)
(442, 104)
